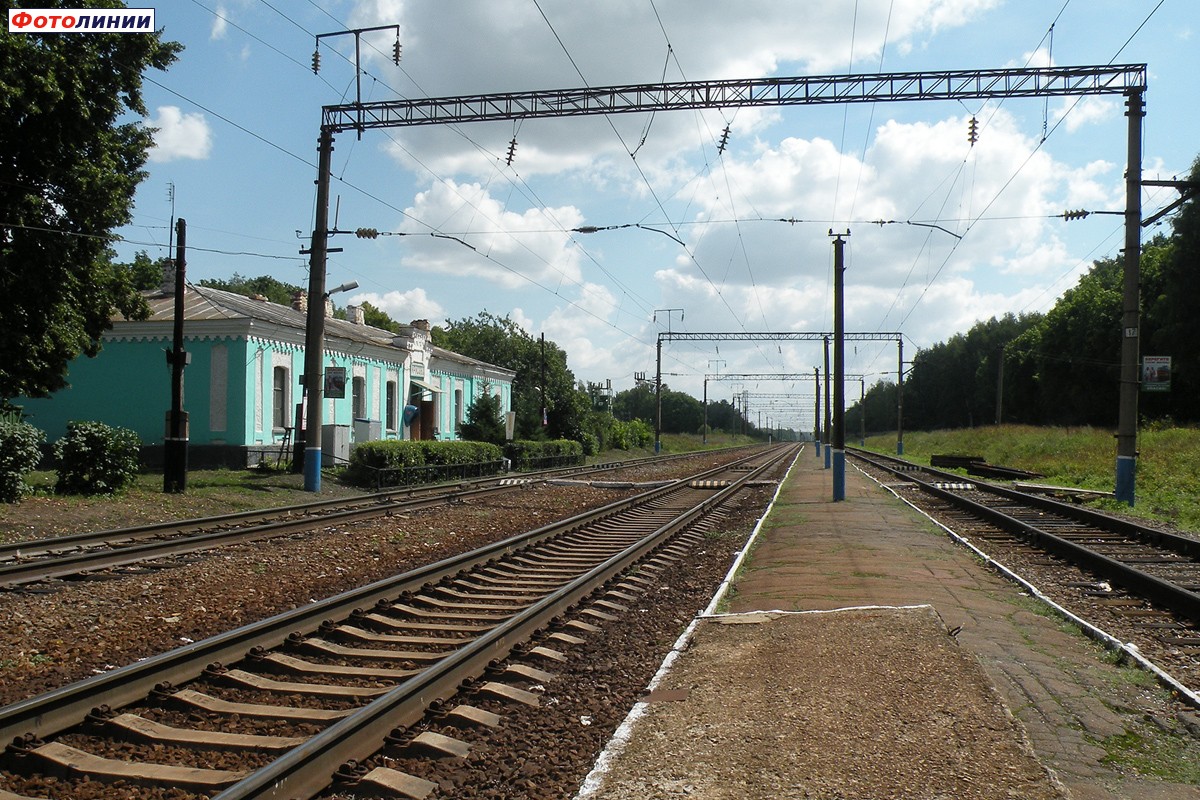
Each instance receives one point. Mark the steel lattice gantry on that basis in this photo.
(789, 336)
(748, 93)
(1064, 81)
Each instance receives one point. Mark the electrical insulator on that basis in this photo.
(724, 140)
(512, 151)
(316, 61)
(972, 132)
(1070, 215)
(396, 52)
(366, 233)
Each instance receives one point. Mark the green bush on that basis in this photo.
(20, 452)
(631, 435)
(529, 454)
(392, 463)
(94, 458)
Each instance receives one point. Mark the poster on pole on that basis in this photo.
(335, 382)
(1156, 373)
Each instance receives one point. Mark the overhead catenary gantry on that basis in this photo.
(777, 377)
(834, 421)
(1128, 80)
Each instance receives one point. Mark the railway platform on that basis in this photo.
(861, 654)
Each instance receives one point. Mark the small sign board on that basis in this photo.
(335, 382)
(1156, 373)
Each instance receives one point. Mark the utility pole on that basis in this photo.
(704, 431)
(545, 420)
(862, 406)
(900, 397)
(1130, 303)
(828, 415)
(175, 448)
(817, 413)
(839, 366)
(314, 340)
(658, 377)
(999, 385)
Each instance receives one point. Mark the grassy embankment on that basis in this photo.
(1168, 468)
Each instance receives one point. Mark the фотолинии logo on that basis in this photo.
(81, 20)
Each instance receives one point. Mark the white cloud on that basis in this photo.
(1087, 111)
(179, 135)
(512, 249)
(708, 41)
(220, 25)
(403, 306)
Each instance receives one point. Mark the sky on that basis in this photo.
(699, 236)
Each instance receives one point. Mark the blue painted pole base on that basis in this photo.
(818, 443)
(1126, 469)
(899, 448)
(839, 475)
(312, 469)
(828, 456)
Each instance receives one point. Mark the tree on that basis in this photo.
(1174, 309)
(484, 422)
(68, 172)
(275, 290)
(145, 272)
(502, 342)
(378, 318)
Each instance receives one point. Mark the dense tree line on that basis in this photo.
(1063, 367)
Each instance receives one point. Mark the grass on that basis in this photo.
(1168, 468)
(1147, 750)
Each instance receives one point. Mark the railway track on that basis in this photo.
(1140, 583)
(90, 552)
(314, 691)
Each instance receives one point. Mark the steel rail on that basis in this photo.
(1177, 543)
(57, 710)
(56, 544)
(23, 572)
(304, 771)
(1178, 599)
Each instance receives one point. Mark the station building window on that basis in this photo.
(279, 398)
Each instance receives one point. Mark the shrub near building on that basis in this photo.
(20, 452)
(94, 458)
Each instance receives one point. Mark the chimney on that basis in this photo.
(422, 324)
(328, 308)
(355, 315)
(167, 287)
(300, 301)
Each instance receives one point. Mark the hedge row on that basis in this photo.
(395, 463)
(527, 454)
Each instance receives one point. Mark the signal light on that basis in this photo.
(972, 131)
(1070, 215)
(316, 63)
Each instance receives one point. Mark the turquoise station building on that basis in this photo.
(242, 388)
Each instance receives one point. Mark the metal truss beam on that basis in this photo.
(746, 93)
(771, 376)
(783, 336)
